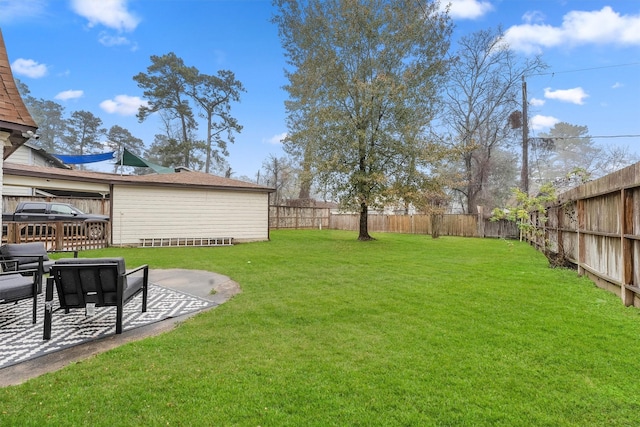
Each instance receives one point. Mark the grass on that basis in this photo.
(403, 330)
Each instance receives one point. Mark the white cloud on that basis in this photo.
(69, 94)
(617, 85)
(29, 68)
(277, 139)
(467, 9)
(539, 122)
(17, 10)
(109, 40)
(110, 13)
(533, 16)
(123, 105)
(537, 102)
(602, 27)
(573, 96)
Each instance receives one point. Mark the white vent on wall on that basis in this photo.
(157, 242)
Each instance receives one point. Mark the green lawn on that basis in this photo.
(404, 330)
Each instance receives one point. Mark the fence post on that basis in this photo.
(59, 237)
(626, 227)
(581, 242)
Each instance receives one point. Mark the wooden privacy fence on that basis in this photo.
(282, 217)
(448, 225)
(298, 217)
(596, 227)
(92, 206)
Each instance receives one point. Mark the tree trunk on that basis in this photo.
(364, 225)
(305, 179)
(185, 140)
(207, 164)
(436, 224)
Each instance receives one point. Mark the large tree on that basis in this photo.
(278, 174)
(119, 138)
(214, 94)
(363, 78)
(165, 88)
(571, 155)
(84, 133)
(49, 116)
(482, 92)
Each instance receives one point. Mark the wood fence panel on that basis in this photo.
(343, 222)
(460, 225)
(282, 217)
(502, 228)
(91, 206)
(422, 224)
(450, 225)
(399, 223)
(376, 223)
(601, 214)
(298, 217)
(596, 226)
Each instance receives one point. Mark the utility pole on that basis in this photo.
(524, 173)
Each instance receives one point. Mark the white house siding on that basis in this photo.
(22, 156)
(28, 183)
(181, 212)
(26, 155)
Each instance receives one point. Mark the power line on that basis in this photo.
(552, 73)
(587, 137)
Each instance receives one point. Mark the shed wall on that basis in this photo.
(148, 212)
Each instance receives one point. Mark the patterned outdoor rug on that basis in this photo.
(20, 340)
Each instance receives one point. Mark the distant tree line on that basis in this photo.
(382, 112)
(78, 133)
(183, 97)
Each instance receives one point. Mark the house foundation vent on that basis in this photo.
(160, 242)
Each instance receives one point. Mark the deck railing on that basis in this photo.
(59, 235)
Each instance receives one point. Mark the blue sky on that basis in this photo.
(84, 53)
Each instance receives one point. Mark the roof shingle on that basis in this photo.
(12, 108)
(191, 179)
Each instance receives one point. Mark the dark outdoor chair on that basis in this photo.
(102, 282)
(27, 256)
(15, 287)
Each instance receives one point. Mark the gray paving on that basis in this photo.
(204, 284)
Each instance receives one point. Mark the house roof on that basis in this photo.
(179, 179)
(14, 116)
(52, 161)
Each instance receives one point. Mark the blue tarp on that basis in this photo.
(72, 159)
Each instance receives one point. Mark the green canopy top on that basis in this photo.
(130, 159)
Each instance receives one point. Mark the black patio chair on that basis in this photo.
(25, 257)
(101, 282)
(16, 287)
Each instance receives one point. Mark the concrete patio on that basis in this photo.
(203, 284)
